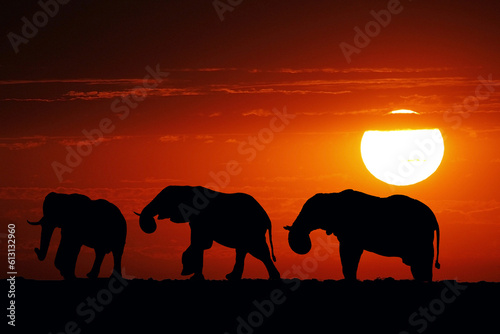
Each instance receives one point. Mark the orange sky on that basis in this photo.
(224, 80)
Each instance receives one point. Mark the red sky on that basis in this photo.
(224, 80)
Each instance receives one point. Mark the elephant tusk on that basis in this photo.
(288, 228)
(137, 213)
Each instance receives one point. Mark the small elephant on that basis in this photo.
(394, 226)
(96, 224)
(232, 220)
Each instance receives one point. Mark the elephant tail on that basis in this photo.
(437, 265)
(271, 243)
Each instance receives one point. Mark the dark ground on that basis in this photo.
(254, 306)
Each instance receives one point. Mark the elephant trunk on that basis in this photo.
(47, 231)
(146, 222)
(300, 243)
(298, 236)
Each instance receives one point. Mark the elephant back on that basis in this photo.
(65, 205)
(104, 225)
(234, 218)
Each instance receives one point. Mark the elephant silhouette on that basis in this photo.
(232, 220)
(97, 224)
(396, 226)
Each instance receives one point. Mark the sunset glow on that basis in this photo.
(402, 157)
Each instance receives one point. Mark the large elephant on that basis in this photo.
(394, 226)
(232, 220)
(96, 224)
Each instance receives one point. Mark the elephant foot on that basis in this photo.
(186, 272)
(274, 277)
(92, 275)
(233, 276)
(116, 273)
(197, 277)
(350, 279)
(68, 277)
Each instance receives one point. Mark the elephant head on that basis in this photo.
(57, 208)
(177, 203)
(310, 218)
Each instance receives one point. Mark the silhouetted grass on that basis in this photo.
(255, 306)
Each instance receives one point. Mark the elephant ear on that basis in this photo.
(166, 202)
(174, 215)
(178, 216)
(170, 212)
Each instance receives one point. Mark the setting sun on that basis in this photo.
(402, 157)
(403, 111)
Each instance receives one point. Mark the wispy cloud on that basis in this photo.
(22, 143)
(174, 138)
(25, 143)
(320, 70)
(112, 94)
(154, 180)
(257, 112)
(119, 193)
(170, 138)
(123, 81)
(207, 139)
(290, 90)
(206, 69)
(77, 142)
(288, 179)
(211, 81)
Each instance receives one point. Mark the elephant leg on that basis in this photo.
(238, 266)
(261, 252)
(421, 272)
(59, 260)
(94, 272)
(421, 265)
(117, 260)
(66, 257)
(349, 257)
(198, 266)
(192, 261)
(192, 258)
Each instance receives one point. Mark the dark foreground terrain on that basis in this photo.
(254, 306)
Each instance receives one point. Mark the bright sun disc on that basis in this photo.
(403, 111)
(402, 157)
